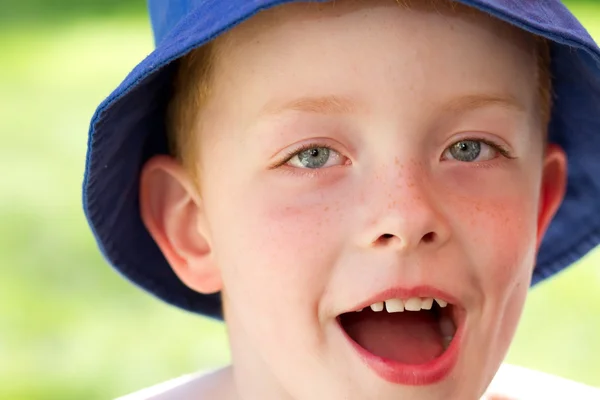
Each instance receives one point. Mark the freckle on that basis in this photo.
(396, 160)
(326, 208)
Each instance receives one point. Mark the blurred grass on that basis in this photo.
(70, 328)
(55, 11)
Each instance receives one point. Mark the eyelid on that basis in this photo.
(305, 145)
(504, 150)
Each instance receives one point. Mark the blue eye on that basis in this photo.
(315, 157)
(471, 150)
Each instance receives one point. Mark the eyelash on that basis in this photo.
(297, 150)
(497, 147)
(307, 146)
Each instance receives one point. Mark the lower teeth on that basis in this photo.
(447, 329)
(446, 340)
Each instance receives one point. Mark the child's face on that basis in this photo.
(429, 178)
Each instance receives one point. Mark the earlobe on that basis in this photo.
(553, 187)
(172, 211)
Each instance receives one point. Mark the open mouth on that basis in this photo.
(413, 331)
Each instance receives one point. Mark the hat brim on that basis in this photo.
(128, 129)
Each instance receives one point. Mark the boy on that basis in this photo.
(359, 188)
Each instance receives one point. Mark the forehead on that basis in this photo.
(303, 13)
(367, 47)
(301, 26)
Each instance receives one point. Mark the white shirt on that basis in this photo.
(512, 382)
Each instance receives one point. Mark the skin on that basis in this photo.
(292, 248)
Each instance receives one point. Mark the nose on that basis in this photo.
(405, 214)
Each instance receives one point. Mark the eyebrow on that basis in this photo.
(317, 105)
(476, 101)
(337, 105)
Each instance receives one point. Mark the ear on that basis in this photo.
(172, 211)
(553, 187)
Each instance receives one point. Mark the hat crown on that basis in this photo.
(165, 14)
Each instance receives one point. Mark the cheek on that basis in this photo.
(507, 233)
(300, 231)
(281, 241)
(496, 221)
(496, 228)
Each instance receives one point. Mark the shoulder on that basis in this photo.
(522, 383)
(201, 385)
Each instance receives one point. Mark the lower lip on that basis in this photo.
(411, 374)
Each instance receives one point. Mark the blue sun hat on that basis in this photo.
(128, 128)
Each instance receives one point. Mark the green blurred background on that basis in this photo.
(71, 328)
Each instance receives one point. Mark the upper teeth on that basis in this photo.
(411, 304)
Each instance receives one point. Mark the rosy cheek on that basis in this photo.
(509, 240)
(503, 256)
(516, 242)
(498, 210)
(501, 232)
(301, 228)
(284, 240)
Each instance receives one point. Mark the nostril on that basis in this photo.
(384, 239)
(428, 237)
(387, 238)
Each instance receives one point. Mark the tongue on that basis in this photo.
(407, 337)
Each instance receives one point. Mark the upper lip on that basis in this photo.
(397, 292)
